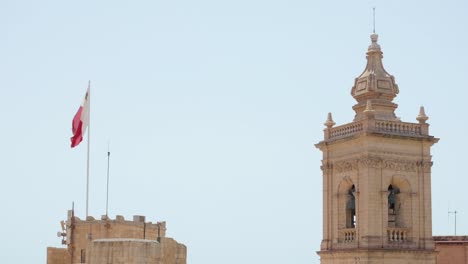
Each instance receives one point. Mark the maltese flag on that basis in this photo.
(80, 121)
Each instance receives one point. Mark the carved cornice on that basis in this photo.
(371, 162)
(346, 165)
(326, 167)
(354, 164)
(425, 165)
(374, 162)
(400, 165)
(387, 153)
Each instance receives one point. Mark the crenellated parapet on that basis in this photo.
(78, 231)
(94, 240)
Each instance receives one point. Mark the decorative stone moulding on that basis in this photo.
(397, 165)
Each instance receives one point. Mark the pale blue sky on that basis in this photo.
(212, 109)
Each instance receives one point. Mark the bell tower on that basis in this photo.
(377, 178)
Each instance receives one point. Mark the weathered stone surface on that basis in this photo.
(136, 251)
(116, 241)
(451, 249)
(57, 255)
(376, 178)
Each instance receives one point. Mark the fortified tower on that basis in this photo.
(117, 241)
(377, 178)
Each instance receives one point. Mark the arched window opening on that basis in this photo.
(393, 205)
(351, 208)
(83, 256)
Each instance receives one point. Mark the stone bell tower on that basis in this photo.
(377, 178)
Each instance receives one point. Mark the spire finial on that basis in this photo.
(374, 36)
(373, 11)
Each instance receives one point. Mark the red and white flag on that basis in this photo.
(80, 121)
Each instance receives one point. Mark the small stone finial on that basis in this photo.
(422, 117)
(329, 123)
(374, 45)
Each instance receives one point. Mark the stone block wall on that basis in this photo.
(122, 241)
(57, 255)
(134, 251)
(451, 249)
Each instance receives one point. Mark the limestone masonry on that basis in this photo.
(115, 241)
(451, 249)
(377, 178)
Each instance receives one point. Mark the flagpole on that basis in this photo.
(87, 159)
(107, 193)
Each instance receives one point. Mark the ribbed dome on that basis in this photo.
(375, 84)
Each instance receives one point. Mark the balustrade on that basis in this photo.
(397, 234)
(382, 126)
(401, 128)
(346, 130)
(348, 235)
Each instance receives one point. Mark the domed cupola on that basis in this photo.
(376, 86)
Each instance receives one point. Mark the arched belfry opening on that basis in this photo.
(351, 208)
(394, 205)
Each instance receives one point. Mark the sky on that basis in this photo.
(211, 110)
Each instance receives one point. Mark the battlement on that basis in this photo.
(80, 232)
(86, 236)
(119, 218)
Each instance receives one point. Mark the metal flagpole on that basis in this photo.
(455, 213)
(107, 193)
(87, 160)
